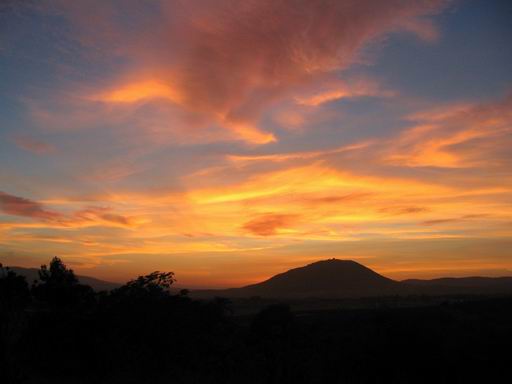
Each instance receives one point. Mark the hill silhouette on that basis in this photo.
(326, 278)
(334, 278)
(31, 274)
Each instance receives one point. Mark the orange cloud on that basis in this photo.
(269, 224)
(461, 136)
(139, 91)
(282, 157)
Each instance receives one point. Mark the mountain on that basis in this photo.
(326, 278)
(335, 278)
(31, 274)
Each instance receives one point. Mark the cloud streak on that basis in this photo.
(91, 216)
(19, 206)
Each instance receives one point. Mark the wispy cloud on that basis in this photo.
(461, 136)
(337, 90)
(229, 62)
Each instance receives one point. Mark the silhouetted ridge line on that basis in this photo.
(334, 278)
(325, 278)
(466, 285)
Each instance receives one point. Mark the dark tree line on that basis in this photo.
(61, 331)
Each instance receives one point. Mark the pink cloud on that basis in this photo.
(229, 61)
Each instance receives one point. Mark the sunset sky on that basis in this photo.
(231, 140)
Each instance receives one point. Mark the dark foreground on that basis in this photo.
(62, 332)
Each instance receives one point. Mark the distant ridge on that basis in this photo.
(326, 278)
(31, 274)
(469, 285)
(334, 278)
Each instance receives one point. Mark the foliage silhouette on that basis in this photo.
(153, 285)
(57, 274)
(58, 287)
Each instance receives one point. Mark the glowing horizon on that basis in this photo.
(230, 141)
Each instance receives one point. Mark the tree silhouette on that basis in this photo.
(57, 273)
(59, 287)
(153, 285)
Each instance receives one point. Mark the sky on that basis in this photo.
(231, 140)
